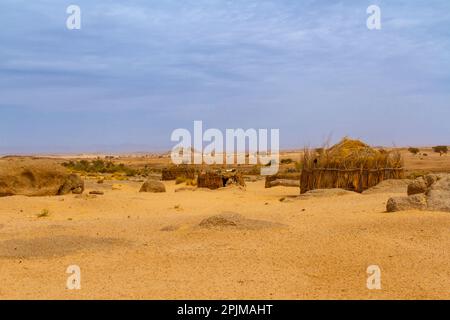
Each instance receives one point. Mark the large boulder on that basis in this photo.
(438, 196)
(434, 195)
(417, 186)
(154, 186)
(414, 202)
(422, 184)
(36, 177)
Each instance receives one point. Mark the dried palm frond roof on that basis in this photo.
(351, 154)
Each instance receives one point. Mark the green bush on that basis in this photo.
(286, 161)
(99, 166)
(414, 150)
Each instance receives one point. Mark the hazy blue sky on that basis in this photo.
(137, 70)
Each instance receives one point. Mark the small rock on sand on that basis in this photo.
(417, 202)
(154, 186)
(96, 192)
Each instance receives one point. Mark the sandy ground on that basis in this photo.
(323, 250)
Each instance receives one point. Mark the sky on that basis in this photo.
(137, 70)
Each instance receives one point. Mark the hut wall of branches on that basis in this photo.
(171, 173)
(350, 165)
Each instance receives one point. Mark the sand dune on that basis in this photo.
(119, 242)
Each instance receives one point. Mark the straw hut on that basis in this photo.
(171, 173)
(219, 179)
(351, 165)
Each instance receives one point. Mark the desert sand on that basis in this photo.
(132, 245)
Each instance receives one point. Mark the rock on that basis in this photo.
(96, 192)
(116, 186)
(154, 186)
(414, 202)
(390, 186)
(432, 178)
(438, 196)
(417, 186)
(36, 177)
(285, 183)
(433, 194)
(286, 200)
(423, 184)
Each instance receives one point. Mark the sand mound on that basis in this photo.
(319, 193)
(33, 177)
(390, 186)
(234, 220)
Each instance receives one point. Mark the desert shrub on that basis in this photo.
(440, 149)
(255, 170)
(191, 182)
(180, 179)
(414, 150)
(99, 166)
(286, 161)
(44, 213)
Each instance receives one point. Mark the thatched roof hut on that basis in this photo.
(351, 165)
(219, 179)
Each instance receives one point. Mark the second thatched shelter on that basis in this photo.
(219, 179)
(351, 165)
